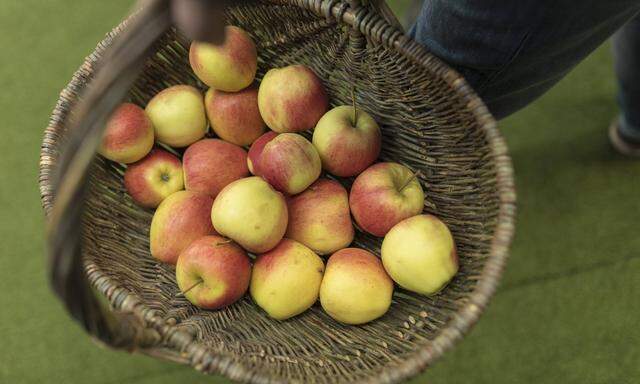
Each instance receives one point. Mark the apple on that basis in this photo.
(383, 195)
(235, 117)
(152, 179)
(213, 272)
(180, 219)
(286, 280)
(292, 99)
(319, 217)
(252, 213)
(256, 151)
(348, 141)
(128, 136)
(228, 67)
(290, 163)
(355, 288)
(211, 164)
(419, 254)
(178, 115)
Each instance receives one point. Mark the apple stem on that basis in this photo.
(355, 109)
(225, 242)
(182, 294)
(413, 177)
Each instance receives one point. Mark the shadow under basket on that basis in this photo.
(431, 121)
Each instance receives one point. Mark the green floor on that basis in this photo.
(566, 312)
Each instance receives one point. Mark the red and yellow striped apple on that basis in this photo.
(235, 117)
(211, 164)
(347, 141)
(290, 163)
(286, 280)
(355, 289)
(228, 67)
(213, 272)
(383, 195)
(128, 136)
(178, 115)
(252, 213)
(180, 219)
(256, 151)
(154, 178)
(419, 253)
(292, 99)
(319, 217)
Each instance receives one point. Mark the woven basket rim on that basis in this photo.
(461, 321)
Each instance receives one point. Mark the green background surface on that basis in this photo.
(567, 310)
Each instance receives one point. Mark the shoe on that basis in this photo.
(621, 144)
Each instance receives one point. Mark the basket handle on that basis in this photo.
(117, 70)
(383, 9)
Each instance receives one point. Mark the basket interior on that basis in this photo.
(425, 126)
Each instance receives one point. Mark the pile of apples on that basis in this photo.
(211, 214)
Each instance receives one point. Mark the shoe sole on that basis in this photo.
(622, 146)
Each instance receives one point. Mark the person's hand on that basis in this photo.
(202, 20)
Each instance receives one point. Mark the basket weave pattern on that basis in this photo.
(431, 122)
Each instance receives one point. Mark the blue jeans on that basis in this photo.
(513, 51)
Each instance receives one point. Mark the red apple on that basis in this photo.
(319, 217)
(211, 164)
(256, 151)
(128, 136)
(213, 272)
(292, 99)
(235, 117)
(383, 195)
(228, 67)
(347, 141)
(152, 179)
(180, 219)
(290, 163)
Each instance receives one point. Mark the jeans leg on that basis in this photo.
(511, 52)
(626, 52)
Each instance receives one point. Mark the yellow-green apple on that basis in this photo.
(152, 179)
(180, 219)
(355, 288)
(178, 115)
(319, 217)
(420, 254)
(256, 151)
(128, 136)
(228, 67)
(286, 280)
(213, 272)
(292, 99)
(211, 164)
(235, 117)
(252, 213)
(347, 141)
(290, 163)
(383, 195)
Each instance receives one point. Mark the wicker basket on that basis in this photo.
(431, 121)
